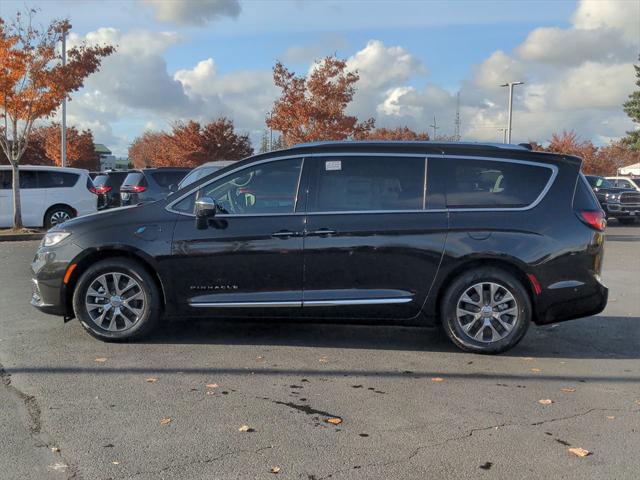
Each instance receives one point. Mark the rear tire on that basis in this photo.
(116, 299)
(57, 215)
(486, 310)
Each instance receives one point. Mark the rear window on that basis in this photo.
(197, 174)
(100, 180)
(53, 179)
(474, 183)
(134, 178)
(165, 179)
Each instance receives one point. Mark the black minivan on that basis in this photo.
(483, 239)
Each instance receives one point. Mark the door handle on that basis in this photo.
(285, 234)
(323, 232)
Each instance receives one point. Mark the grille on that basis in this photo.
(630, 197)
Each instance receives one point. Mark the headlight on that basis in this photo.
(613, 197)
(53, 238)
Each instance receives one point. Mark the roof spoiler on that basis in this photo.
(528, 146)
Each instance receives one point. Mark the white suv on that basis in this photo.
(49, 195)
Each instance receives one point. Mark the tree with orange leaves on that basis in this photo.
(399, 133)
(33, 83)
(81, 152)
(313, 108)
(190, 144)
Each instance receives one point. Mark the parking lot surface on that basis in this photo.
(411, 405)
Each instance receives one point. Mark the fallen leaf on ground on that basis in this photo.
(536, 370)
(323, 359)
(545, 401)
(55, 449)
(212, 385)
(610, 417)
(116, 463)
(210, 392)
(637, 402)
(579, 452)
(528, 358)
(165, 421)
(246, 428)
(437, 379)
(568, 389)
(151, 380)
(101, 359)
(334, 420)
(275, 469)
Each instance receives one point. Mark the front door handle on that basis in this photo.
(323, 232)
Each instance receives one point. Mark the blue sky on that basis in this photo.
(412, 56)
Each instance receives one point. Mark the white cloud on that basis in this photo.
(622, 15)
(380, 66)
(498, 69)
(193, 12)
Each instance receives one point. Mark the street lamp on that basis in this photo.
(510, 85)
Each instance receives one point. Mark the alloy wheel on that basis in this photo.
(59, 217)
(487, 312)
(115, 301)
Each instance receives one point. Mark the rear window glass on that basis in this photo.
(115, 179)
(475, 183)
(197, 174)
(134, 178)
(52, 179)
(100, 180)
(165, 179)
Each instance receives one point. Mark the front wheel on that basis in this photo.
(117, 299)
(486, 310)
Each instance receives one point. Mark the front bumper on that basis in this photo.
(48, 291)
(618, 210)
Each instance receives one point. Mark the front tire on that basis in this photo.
(116, 299)
(486, 310)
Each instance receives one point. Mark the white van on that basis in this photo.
(49, 195)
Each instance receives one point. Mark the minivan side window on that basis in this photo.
(52, 179)
(266, 188)
(5, 179)
(476, 183)
(362, 183)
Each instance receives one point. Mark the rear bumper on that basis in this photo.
(572, 301)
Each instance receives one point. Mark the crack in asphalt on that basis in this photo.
(34, 416)
(467, 434)
(198, 462)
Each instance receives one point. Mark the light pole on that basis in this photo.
(63, 126)
(510, 85)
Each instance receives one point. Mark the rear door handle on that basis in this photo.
(323, 232)
(285, 234)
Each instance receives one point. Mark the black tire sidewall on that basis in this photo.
(151, 313)
(464, 281)
(51, 211)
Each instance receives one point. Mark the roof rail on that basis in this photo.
(509, 146)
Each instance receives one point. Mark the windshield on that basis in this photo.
(197, 174)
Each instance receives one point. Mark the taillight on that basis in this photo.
(101, 190)
(594, 219)
(133, 188)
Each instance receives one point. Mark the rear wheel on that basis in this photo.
(57, 215)
(116, 299)
(486, 310)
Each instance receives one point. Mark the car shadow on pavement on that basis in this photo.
(606, 337)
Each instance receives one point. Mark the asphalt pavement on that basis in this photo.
(411, 405)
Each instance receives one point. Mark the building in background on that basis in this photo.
(630, 169)
(108, 161)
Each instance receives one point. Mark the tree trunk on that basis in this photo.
(17, 207)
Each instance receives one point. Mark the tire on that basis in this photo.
(627, 221)
(509, 319)
(126, 318)
(57, 215)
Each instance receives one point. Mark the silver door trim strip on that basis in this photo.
(245, 304)
(361, 301)
(309, 303)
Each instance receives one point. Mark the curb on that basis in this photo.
(21, 237)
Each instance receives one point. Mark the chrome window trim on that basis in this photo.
(543, 193)
(245, 304)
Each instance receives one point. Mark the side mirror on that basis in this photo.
(205, 209)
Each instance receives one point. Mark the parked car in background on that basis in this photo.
(107, 187)
(625, 182)
(484, 239)
(623, 204)
(150, 184)
(202, 171)
(48, 195)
